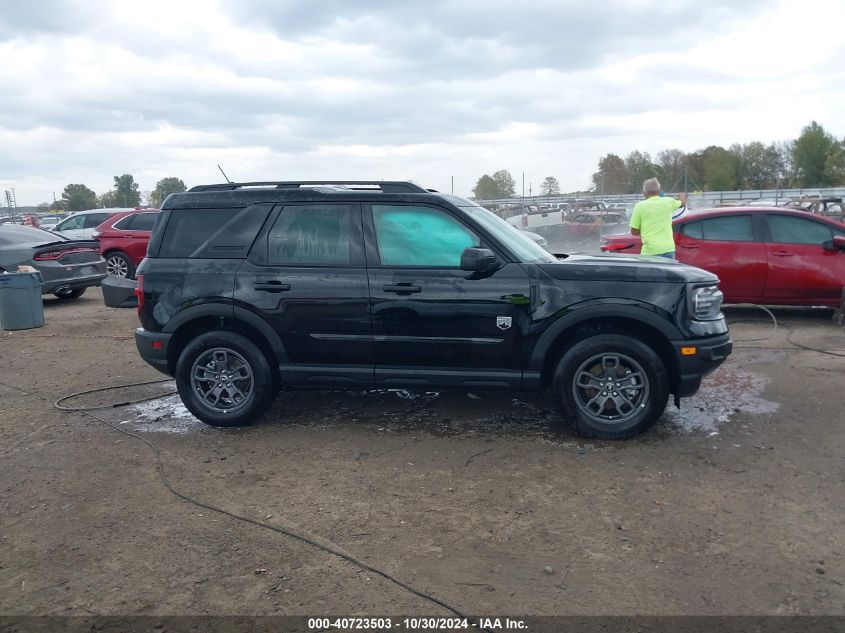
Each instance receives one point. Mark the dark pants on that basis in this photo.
(669, 255)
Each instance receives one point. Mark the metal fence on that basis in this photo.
(698, 199)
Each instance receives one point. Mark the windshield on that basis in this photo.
(522, 246)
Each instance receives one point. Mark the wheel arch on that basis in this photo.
(184, 327)
(629, 320)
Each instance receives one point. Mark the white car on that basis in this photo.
(49, 223)
(81, 225)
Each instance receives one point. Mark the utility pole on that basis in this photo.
(453, 184)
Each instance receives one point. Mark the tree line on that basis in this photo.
(125, 193)
(815, 159)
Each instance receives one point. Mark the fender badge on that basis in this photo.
(503, 323)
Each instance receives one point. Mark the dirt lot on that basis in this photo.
(732, 505)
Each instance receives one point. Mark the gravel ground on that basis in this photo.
(733, 505)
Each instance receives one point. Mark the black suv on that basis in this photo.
(250, 287)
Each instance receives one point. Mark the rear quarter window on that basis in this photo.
(212, 233)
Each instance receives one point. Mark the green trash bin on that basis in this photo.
(21, 307)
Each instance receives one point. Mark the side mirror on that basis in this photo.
(479, 260)
(836, 244)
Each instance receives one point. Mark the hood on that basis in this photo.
(616, 267)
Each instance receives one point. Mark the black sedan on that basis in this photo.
(67, 266)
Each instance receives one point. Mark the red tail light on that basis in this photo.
(58, 254)
(139, 292)
(615, 247)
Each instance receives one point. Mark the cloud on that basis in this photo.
(396, 90)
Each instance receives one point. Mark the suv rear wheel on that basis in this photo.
(224, 379)
(611, 386)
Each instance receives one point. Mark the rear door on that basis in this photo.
(801, 271)
(306, 277)
(135, 234)
(433, 323)
(727, 246)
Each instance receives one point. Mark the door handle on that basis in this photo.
(402, 289)
(693, 248)
(781, 253)
(271, 286)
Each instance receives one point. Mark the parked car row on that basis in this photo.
(768, 255)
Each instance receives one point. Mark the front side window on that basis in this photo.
(728, 228)
(311, 235)
(786, 229)
(420, 236)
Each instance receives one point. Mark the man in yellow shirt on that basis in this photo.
(652, 220)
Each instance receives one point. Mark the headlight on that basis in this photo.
(705, 302)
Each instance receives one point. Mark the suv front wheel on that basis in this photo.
(611, 386)
(224, 379)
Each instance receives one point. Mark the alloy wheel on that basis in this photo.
(116, 266)
(610, 388)
(222, 380)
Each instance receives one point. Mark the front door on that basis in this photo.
(801, 271)
(433, 323)
(305, 276)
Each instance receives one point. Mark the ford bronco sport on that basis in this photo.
(250, 287)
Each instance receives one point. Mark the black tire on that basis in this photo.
(203, 358)
(70, 293)
(615, 399)
(118, 265)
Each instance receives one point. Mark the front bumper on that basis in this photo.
(152, 346)
(709, 354)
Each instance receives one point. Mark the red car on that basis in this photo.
(123, 240)
(769, 255)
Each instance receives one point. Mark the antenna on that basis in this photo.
(223, 172)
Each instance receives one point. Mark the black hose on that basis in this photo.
(86, 411)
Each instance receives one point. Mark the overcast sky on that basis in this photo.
(377, 89)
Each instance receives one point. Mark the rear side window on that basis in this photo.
(693, 230)
(93, 220)
(212, 233)
(143, 221)
(786, 229)
(729, 228)
(311, 235)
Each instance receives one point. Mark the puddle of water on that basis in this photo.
(726, 392)
(165, 415)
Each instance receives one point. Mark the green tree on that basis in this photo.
(641, 168)
(486, 189)
(107, 200)
(79, 198)
(834, 165)
(126, 191)
(504, 180)
(720, 168)
(810, 155)
(164, 188)
(672, 162)
(550, 186)
(612, 177)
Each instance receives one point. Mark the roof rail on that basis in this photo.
(392, 186)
